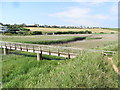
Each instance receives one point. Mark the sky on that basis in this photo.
(74, 13)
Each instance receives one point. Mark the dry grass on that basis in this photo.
(63, 30)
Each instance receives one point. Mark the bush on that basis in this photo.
(81, 32)
(8, 33)
(24, 29)
(36, 33)
(112, 33)
(88, 32)
(102, 32)
(74, 32)
(23, 33)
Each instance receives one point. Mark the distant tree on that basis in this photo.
(1, 23)
(23, 25)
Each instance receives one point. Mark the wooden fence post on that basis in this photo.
(26, 48)
(68, 54)
(5, 51)
(49, 52)
(20, 47)
(58, 52)
(39, 56)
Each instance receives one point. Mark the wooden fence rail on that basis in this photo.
(34, 49)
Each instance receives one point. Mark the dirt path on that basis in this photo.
(113, 65)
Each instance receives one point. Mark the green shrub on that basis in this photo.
(88, 32)
(36, 33)
(112, 32)
(101, 32)
(8, 33)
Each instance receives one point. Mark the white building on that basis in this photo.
(3, 28)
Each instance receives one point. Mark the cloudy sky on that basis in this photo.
(75, 13)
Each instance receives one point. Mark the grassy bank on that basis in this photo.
(90, 70)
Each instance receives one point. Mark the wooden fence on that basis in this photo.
(47, 49)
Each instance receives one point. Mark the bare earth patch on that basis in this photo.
(113, 65)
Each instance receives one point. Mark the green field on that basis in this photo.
(86, 71)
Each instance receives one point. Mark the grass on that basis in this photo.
(63, 30)
(90, 70)
(112, 47)
(42, 39)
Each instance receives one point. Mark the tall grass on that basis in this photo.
(89, 70)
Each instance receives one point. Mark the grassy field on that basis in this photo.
(86, 71)
(63, 30)
(42, 39)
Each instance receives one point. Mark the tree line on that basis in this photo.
(52, 26)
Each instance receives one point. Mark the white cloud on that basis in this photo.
(72, 13)
(81, 16)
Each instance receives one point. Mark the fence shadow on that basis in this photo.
(44, 57)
